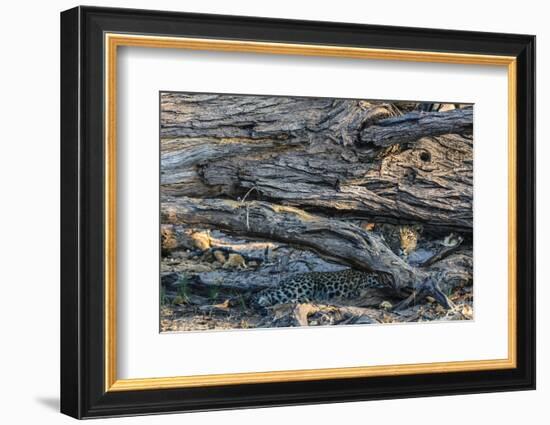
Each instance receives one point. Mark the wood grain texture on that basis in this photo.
(309, 153)
(412, 126)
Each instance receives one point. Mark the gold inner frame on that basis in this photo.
(113, 41)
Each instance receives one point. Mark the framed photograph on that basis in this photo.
(261, 212)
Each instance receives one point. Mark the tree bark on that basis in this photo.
(430, 183)
(411, 127)
(334, 240)
(267, 117)
(312, 153)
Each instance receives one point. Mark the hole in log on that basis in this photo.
(425, 156)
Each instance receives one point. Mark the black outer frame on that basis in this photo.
(82, 218)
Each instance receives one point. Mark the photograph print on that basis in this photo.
(284, 211)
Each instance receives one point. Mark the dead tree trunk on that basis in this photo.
(334, 240)
(320, 155)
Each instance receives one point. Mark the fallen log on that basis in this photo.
(430, 183)
(308, 153)
(340, 314)
(249, 117)
(305, 314)
(334, 240)
(200, 128)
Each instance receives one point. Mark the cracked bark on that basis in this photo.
(310, 153)
(413, 126)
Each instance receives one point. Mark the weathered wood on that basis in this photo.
(228, 281)
(334, 240)
(308, 153)
(295, 170)
(415, 125)
(267, 117)
(454, 271)
(196, 129)
(430, 183)
(347, 314)
(444, 252)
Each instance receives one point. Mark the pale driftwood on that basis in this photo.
(348, 314)
(415, 125)
(299, 314)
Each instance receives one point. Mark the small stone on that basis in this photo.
(236, 261)
(220, 257)
(201, 240)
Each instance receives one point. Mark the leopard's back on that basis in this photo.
(318, 287)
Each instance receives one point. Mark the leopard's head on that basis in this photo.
(261, 299)
(409, 236)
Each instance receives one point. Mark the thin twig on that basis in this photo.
(242, 202)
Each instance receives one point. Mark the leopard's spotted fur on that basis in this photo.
(320, 287)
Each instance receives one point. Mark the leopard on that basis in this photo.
(408, 236)
(319, 287)
(403, 239)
